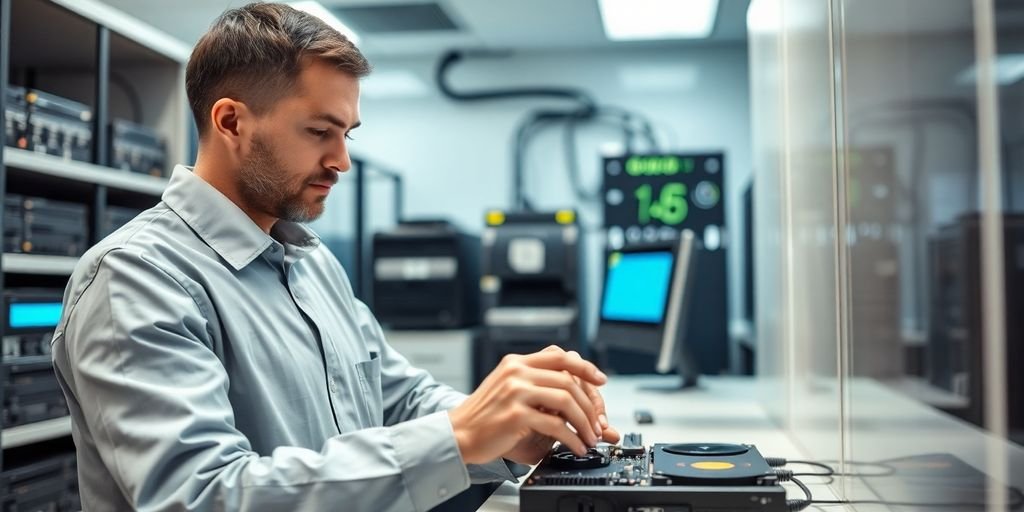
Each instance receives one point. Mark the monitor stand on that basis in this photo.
(686, 369)
(685, 383)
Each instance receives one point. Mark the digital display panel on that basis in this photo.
(33, 314)
(636, 287)
(650, 197)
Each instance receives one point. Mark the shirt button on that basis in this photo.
(442, 492)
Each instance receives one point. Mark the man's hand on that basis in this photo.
(535, 446)
(523, 406)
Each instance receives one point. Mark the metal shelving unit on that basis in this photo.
(50, 165)
(77, 49)
(41, 264)
(35, 432)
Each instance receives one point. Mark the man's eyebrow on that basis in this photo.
(335, 121)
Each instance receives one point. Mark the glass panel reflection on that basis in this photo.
(889, 251)
(917, 393)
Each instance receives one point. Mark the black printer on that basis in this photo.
(425, 276)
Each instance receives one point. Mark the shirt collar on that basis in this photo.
(223, 226)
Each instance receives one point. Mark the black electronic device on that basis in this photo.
(747, 343)
(137, 148)
(59, 126)
(530, 285)
(531, 277)
(47, 485)
(45, 226)
(15, 117)
(31, 392)
(31, 315)
(666, 477)
(874, 243)
(14, 223)
(643, 416)
(425, 276)
(30, 389)
(650, 198)
(747, 207)
(646, 301)
(956, 350)
(117, 216)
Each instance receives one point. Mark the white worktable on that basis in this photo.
(723, 409)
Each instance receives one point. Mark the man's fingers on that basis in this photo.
(564, 380)
(611, 435)
(562, 402)
(595, 397)
(566, 391)
(555, 427)
(598, 402)
(553, 358)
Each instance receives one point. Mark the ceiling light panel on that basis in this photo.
(626, 20)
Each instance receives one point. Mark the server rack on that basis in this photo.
(89, 53)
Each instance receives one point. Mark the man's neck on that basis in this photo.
(214, 171)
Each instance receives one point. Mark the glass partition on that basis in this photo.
(901, 252)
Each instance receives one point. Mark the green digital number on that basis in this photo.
(673, 200)
(643, 197)
(670, 207)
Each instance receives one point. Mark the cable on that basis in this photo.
(785, 475)
(533, 122)
(586, 107)
(586, 110)
(826, 467)
(795, 505)
(628, 116)
(570, 144)
(449, 59)
(779, 462)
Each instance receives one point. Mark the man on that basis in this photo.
(212, 353)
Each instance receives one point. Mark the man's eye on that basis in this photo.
(318, 133)
(349, 136)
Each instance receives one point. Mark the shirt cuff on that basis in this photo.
(495, 471)
(432, 467)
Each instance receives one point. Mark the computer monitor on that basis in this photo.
(644, 304)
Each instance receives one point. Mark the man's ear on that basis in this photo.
(231, 121)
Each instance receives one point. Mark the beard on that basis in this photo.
(268, 187)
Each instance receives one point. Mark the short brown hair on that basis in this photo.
(255, 53)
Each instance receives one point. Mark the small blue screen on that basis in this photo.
(33, 314)
(636, 287)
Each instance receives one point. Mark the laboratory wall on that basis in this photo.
(456, 157)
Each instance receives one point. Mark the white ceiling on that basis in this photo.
(533, 25)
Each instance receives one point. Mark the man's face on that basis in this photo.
(298, 148)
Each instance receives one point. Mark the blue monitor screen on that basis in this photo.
(636, 287)
(33, 314)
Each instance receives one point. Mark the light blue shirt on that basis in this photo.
(209, 366)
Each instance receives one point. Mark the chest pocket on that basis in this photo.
(372, 397)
